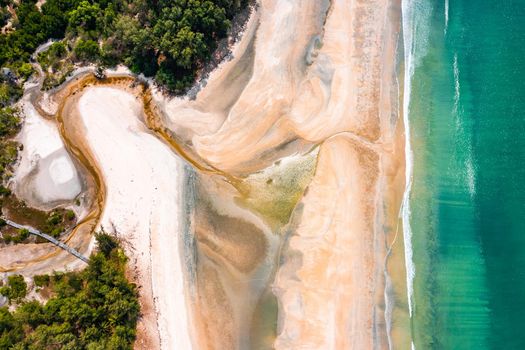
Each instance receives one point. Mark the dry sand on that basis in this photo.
(144, 206)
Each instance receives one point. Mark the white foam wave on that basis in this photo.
(405, 210)
(470, 173)
(471, 176)
(446, 16)
(416, 22)
(457, 91)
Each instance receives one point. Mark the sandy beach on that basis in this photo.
(278, 230)
(143, 206)
(317, 74)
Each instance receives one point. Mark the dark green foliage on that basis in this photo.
(16, 288)
(166, 39)
(21, 236)
(41, 280)
(55, 223)
(106, 243)
(8, 154)
(9, 126)
(93, 309)
(51, 56)
(70, 215)
(25, 70)
(9, 121)
(54, 219)
(9, 92)
(4, 191)
(87, 50)
(84, 17)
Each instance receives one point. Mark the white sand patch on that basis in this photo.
(144, 180)
(46, 173)
(61, 170)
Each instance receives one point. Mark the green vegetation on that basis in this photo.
(42, 280)
(9, 121)
(9, 126)
(15, 290)
(168, 39)
(70, 215)
(54, 223)
(57, 64)
(19, 237)
(96, 308)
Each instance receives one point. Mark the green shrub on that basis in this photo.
(16, 288)
(22, 235)
(9, 121)
(54, 219)
(70, 215)
(57, 231)
(87, 50)
(57, 50)
(7, 238)
(41, 280)
(25, 70)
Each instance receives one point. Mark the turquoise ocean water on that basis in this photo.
(465, 103)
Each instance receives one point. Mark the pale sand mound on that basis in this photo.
(144, 181)
(46, 175)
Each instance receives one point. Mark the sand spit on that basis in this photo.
(326, 284)
(144, 200)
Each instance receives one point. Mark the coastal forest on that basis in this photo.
(96, 308)
(166, 39)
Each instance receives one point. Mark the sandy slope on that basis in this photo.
(144, 200)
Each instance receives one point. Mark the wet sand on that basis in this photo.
(317, 74)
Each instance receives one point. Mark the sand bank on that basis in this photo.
(144, 179)
(315, 73)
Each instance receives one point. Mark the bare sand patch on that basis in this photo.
(144, 179)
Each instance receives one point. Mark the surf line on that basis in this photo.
(408, 31)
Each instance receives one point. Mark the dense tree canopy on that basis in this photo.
(169, 39)
(16, 288)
